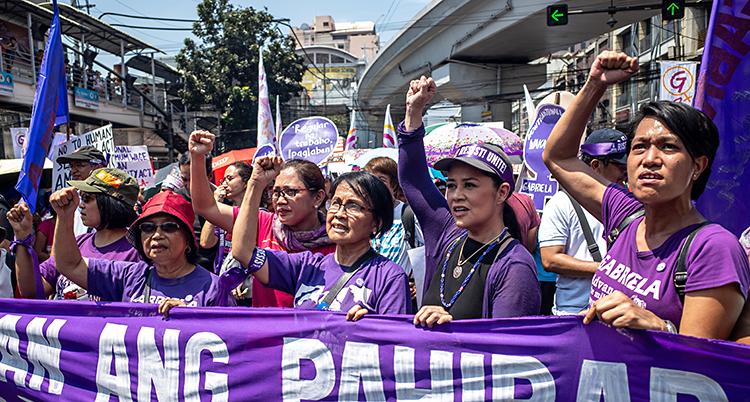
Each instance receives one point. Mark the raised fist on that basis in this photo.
(65, 202)
(266, 169)
(20, 220)
(610, 68)
(420, 92)
(200, 142)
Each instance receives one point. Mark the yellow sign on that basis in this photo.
(313, 78)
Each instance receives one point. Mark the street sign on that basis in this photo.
(557, 15)
(672, 9)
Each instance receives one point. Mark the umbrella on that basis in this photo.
(371, 154)
(443, 141)
(510, 142)
(221, 163)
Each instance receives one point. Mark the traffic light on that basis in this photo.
(672, 9)
(557, 15)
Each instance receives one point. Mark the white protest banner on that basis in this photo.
(101, 139)
(19, 141)
(677, 81)
(136, 162)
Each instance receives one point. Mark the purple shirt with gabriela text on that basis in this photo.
(126, 282)
(120, 250)
(715, 259)
(380, 285)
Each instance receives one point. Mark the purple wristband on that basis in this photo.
(257, 261)
(28, 241)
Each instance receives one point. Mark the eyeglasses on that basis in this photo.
(286, 192)
(87, 197)
(351, 208)
(166, 227)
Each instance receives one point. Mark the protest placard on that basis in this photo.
(311, 138)
(101, 139)
(136, 162)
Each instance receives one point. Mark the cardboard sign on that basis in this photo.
(136, 162)
(101, 139)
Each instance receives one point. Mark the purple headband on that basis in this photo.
(604, 148)
(495, 161)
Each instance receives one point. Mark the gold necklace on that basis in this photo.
(460, 267)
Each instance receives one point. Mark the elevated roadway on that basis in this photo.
(478, 51)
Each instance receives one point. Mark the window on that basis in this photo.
(341, 46)
(338, 37)
(321, 58)
(337, 59)
(325, 23)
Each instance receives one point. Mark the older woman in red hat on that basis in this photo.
(163, 236)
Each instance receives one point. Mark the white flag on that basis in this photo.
(266, 134)
(389, 133)
(677, 81)
(351, 138)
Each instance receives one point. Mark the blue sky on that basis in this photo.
(389, 14)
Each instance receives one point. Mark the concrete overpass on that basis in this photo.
(478, 51)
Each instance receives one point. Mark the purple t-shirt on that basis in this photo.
(380, 285)
(126, 281)
(715, 259)
(512, 287)
(120, 250)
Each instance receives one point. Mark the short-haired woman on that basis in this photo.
(108, 196)
(671, 148)
(361, 208)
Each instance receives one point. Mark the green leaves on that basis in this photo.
(222, 69)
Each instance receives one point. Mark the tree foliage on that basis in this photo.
(222, 70)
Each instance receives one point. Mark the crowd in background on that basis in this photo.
(622, 244)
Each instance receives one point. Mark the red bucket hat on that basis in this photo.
(165, 202)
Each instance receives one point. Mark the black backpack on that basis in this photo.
(410, 223)
(680, 274)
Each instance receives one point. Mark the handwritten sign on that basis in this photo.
(101, 139)
(136, 162)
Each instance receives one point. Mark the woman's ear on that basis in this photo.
(319, 197)
(503, 192)
(701, 163)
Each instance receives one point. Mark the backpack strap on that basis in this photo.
(344, 278)
(680, 273)
(409, 222)
(586, 228)
(612, 236)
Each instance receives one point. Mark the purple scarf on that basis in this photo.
(301, 240)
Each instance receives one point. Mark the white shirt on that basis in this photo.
(560, 227)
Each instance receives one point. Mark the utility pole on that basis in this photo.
(325, 91)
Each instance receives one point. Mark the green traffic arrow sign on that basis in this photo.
(555, 15)
(672, 7)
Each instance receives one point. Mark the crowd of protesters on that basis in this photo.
(623, 238)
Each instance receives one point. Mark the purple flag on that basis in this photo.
(86, 351)
(50, 110)
(351, 137)
(724, 95)
(266, 133)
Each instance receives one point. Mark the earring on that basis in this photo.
(188, 250)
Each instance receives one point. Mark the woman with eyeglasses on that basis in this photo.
(475, 267)
(107, 198)
(295, 225)
(361, 208)
(164, 238)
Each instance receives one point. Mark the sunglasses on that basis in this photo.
(166, 227)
